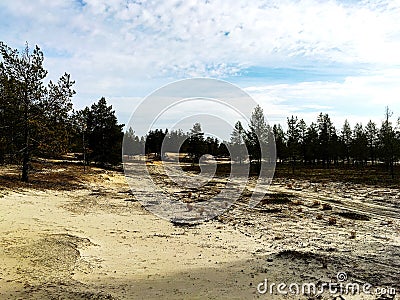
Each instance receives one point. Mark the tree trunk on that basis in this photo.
(25, 158)
(392, 168)
(25, 165)
(293, 164)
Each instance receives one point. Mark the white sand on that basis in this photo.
(90, 243)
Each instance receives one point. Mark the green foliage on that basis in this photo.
(293, 139)
(174, 141)
(359, 144)
(312, 143)
(389, 142)
(346, 140)
(280, 141)
(258, 135)
(101, 132)
(154, 141)
(196, 142)
(371, 133)
(237, 143)
(327, 137)
(132, 143)
(34, 116)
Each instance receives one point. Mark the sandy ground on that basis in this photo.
(94, 240)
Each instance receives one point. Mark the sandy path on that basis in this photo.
(360, 202)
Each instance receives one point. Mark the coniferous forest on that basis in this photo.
(38, 120)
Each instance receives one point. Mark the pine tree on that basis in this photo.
(154, 142)
(312, 143)
(211, 146)
(280, 141)
(346, 140)
(35, 116)
(388, 142)
(303, 139)
(237, 142)
(175, 141)
(196, 142)
(371, 132)
(132, 145)
(103, 133)
(326, 136)
(359, 146)
(293, 139)
(257, 137)
(55, 123)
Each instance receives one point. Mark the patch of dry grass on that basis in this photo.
(46, 176)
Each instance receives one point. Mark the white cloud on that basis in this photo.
(357, 98)
(186, 35)
(118, 48)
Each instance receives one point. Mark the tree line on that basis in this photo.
(37, 119)
(243, 145)
(158, 142)
(321, 143)
(317, 144)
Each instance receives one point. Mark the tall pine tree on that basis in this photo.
(35, 115)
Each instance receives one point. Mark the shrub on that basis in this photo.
(297, 202)
(316, 203)
(326, 206)
(332, 221)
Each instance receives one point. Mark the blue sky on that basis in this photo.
(296, 57)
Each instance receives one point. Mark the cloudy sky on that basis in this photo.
(340, 57)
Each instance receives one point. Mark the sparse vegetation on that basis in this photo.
(316, 203)
(326, 206)
(354, 216)
(297, 202)
(277, 198)
(332, 221)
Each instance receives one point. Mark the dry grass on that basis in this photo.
(326, 206)
(354, 216)
(316, 203)
(47, 176)
(297, 202)
(277, 198)
(376, 175)
(332, 221)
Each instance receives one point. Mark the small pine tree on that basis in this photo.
(103, 133)
(196, 142)
(237, 142)
(258, 135)
(293, 139)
